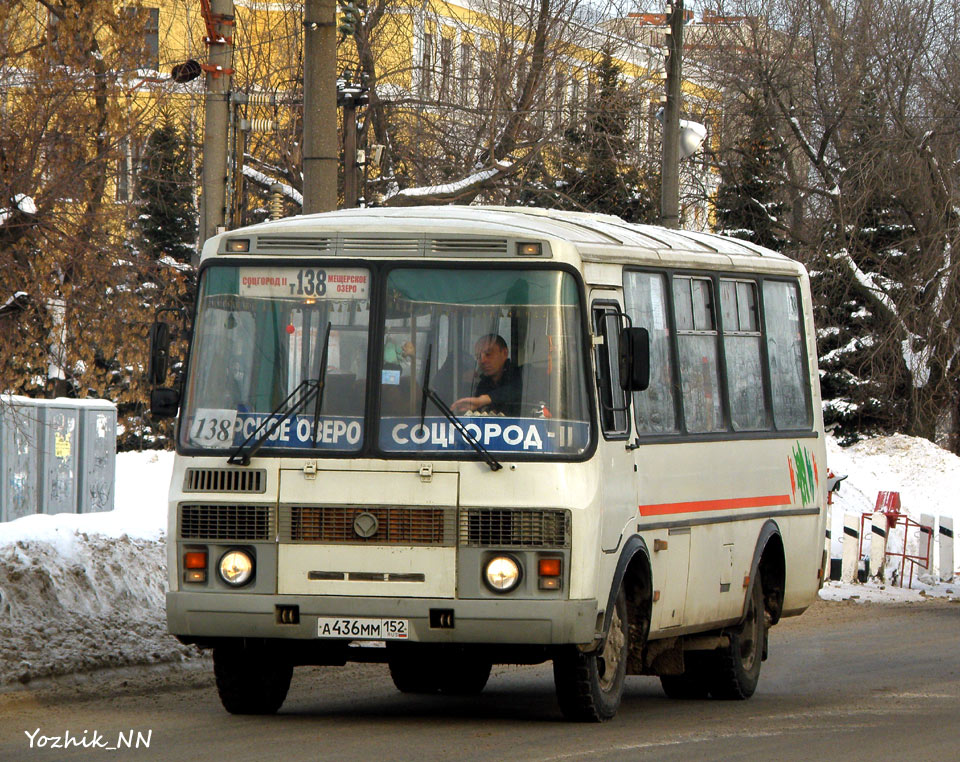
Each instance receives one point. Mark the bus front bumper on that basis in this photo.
(518, 622)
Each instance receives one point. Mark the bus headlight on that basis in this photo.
(236, 567)
(502, 574)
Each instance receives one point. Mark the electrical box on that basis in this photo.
(59, 441)
(19, 464)
(56, 456)
(97, 467)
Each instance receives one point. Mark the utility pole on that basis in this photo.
(350, 95)
(319, 106)
(670, 160)
(350, 179)
(218, 17)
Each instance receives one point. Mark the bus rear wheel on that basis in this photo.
(251, 680)
(589, 686)
(735, 669)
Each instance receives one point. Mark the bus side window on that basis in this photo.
(741, 343)
(613, 400)
(789, 380)
(645, 298)
(697, 341)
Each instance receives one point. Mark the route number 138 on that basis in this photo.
(309, 283)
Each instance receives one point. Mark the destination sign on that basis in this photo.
(496, 433)
(228, 428)
(305, 282)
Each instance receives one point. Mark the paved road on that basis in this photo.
(844, 682)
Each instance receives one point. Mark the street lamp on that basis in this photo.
(690, 136)
(681, 137)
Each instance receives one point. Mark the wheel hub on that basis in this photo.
(750, 637)
(608, 662)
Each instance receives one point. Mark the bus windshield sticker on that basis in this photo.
(305, 282)
(213, 427)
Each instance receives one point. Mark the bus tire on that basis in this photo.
(736, 667)
(433, 671)
(251, 681)
(412, 674)
(589, 686)
(465, 676)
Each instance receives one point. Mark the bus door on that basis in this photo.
(618, 483)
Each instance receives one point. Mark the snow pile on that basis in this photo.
(84, 602)
(926, 476)
(928, 480)
(876, 592)
(80, 592)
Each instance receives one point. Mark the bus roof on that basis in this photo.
(361, 231)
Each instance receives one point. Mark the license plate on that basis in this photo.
(362, 629)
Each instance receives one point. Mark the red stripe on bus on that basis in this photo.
(725, 504)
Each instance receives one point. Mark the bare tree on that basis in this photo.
(268, 58)
(72, 100)
(860, 103)
(461, 97)
(488, 90)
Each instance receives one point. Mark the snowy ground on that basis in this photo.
(85, 592)
(928, 480)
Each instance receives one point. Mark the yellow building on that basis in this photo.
(446, 77)
(449, 82)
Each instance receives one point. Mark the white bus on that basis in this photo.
(446, 438)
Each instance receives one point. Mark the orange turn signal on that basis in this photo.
(549, 567)
(195, 560)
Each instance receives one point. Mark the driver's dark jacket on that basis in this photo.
(505, 395)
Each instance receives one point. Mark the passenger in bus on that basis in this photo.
(396, 355)
(499, 382)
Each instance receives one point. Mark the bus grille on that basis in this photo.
(392, 525)
(466, 246)
(281, 243)
(225, 480)
(481, 528)
(381, 245)
(226, 522)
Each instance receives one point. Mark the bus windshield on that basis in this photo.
(505, 350)
(505, 353)
(258, 336)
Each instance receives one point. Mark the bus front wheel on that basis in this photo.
(251, 680)
(589, 686)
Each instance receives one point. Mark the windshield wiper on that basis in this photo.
(321, 381)
(309, 389)
(428, 393)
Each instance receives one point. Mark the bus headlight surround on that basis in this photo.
(236, 567)
(502, 573)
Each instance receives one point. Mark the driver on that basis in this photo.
(499, 382)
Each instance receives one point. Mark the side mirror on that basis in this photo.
(164, 403)
(159, 354)
(634, 359)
